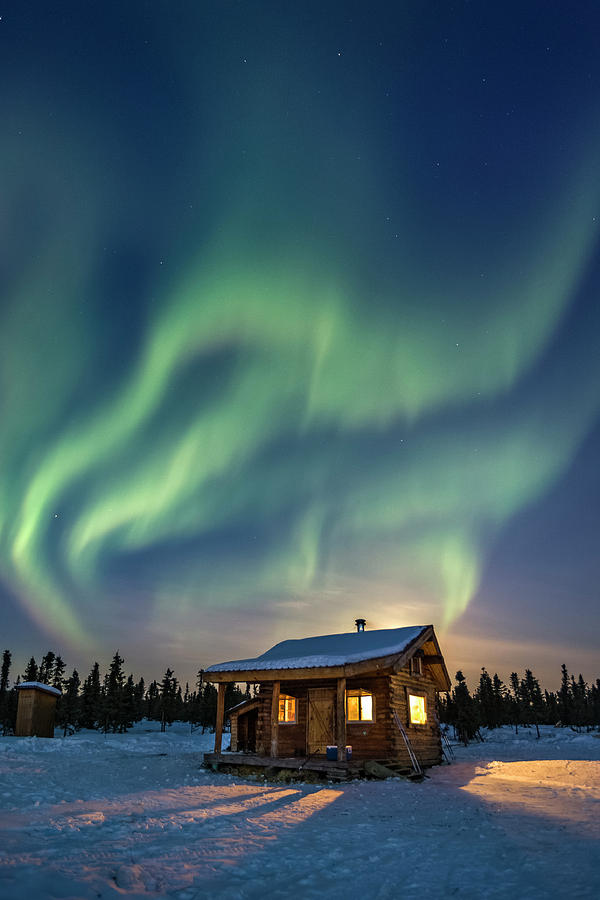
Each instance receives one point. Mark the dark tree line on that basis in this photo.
(113, 701)
(522, 704)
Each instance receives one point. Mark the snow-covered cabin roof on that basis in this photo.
(328, 650)
(40, 687)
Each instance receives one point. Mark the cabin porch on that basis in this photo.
(302, 718)
(338, 770)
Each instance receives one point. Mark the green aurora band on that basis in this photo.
(339, 417)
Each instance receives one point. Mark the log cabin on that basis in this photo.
(336, 703)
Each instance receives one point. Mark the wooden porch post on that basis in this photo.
(341, 719)
(222, 687)
(275, 718)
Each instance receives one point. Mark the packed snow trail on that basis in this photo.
(135, 816)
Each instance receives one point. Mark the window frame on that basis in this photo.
(416, 666)
(360, 692)
(283, 698)
(417, 693)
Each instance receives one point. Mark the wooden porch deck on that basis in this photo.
(336, 771)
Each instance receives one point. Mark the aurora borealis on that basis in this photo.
(299, 321)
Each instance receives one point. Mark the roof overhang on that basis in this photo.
(435, 661)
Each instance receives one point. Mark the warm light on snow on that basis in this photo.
(567, 790)
(135, 815)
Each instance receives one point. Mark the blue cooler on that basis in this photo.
(332, 752)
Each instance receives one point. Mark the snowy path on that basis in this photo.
(134, 815)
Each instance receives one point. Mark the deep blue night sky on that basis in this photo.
(298, 322)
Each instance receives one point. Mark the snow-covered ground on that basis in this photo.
(135, 815)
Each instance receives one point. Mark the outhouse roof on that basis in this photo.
(40, 686)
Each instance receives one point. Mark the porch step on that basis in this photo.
(388, 768)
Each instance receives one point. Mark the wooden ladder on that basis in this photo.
(413, 756)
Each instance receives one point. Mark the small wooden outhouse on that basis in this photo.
(337, 702)
(36, 709)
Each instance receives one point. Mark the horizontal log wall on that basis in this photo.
(380, 739)
(369, 740)
(292, 737)
(425, 739)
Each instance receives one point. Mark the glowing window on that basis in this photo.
(287, 708)
(418, 710)
(359, 706)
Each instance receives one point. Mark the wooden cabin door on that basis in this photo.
(321, 704)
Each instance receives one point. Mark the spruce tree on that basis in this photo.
(168, 699)
(233, 696)
(6, 661)
(58, 673)
(499, 701)
(91, 700)
(196, 701)
(69, 705)
(565, 700)
(516, 704)
(153, 701)
(532, 700)
(186, 703)
(579, 703)
(129, 704)
(208, 710)
(115, 718)
(485, 700)
(465, 714)
(139, 695)
(551, 714)
(31, 671)
(446, 709)
(47, 667)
